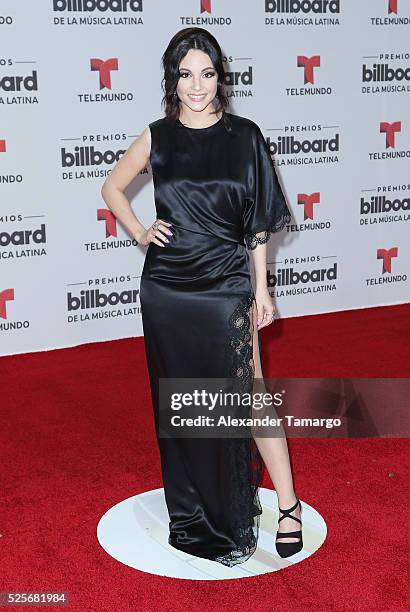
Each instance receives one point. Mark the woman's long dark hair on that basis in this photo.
(178, 47)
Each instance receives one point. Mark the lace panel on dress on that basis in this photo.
(245, 461)
(262, 237)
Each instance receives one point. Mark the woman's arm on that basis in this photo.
(265, 212)
(263, 299)
(125, 170)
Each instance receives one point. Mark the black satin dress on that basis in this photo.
(218, 187)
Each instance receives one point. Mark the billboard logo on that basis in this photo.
(302, 6)
(23, 237)
(392, 6)
(385, 77)
(323, 150)
(89, 156)
(10, 84)
(90, 6)
(392, 209)
(288, 281)
(288, 13)
(384, 73)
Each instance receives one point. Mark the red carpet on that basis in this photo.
(78, 437)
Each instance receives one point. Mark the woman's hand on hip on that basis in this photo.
(156, 233)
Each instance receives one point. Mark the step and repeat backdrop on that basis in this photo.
(327, 81)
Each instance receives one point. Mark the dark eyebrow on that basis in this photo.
(208, 68)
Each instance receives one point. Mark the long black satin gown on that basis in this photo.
(218, 187)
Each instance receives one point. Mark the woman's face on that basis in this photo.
(198, 80)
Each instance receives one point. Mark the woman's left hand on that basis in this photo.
(264, 307)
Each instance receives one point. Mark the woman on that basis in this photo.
(216, 195)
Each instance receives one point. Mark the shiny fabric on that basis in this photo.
(218, 188)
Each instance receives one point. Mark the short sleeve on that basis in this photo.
(266, 210)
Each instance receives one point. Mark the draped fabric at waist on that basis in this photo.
(197, 259)
(231, 232)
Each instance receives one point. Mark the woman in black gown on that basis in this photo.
(216, 197)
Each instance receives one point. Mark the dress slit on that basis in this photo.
(243, 456)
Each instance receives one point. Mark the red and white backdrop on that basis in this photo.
(328, 82)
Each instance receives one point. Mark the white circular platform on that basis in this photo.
(135, 532)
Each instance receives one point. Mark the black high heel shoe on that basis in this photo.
(286, 549)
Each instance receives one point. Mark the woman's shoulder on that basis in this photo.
(159, 122)
(243, 123)
(240, 119)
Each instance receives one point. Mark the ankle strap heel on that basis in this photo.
(286, 549)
